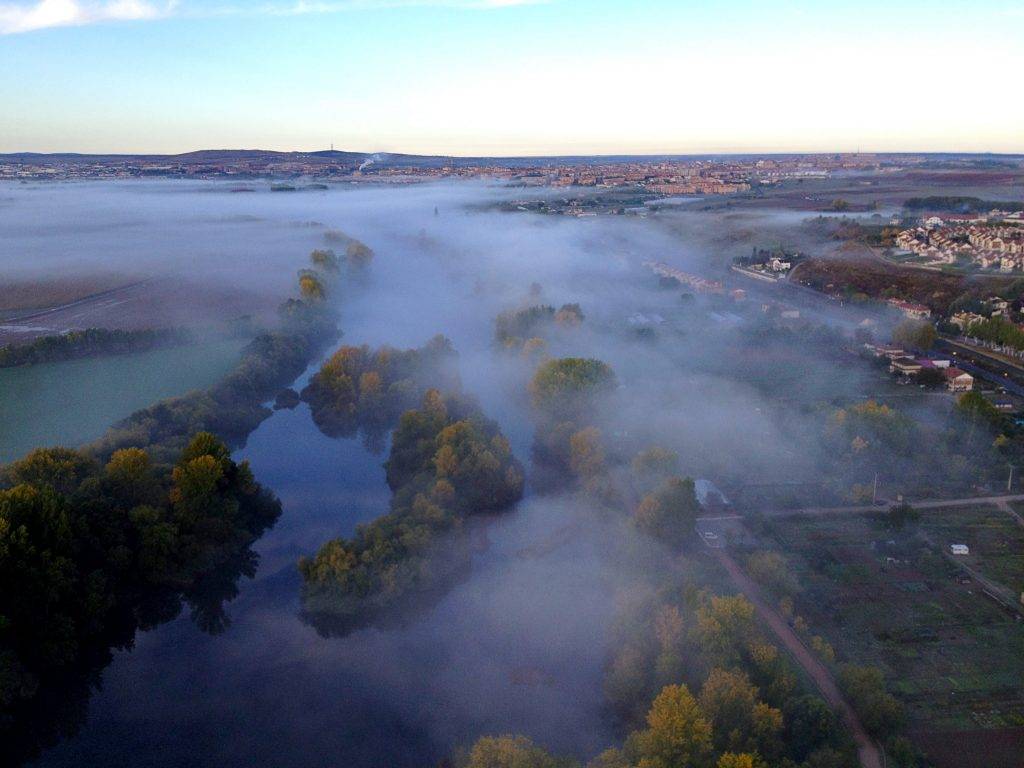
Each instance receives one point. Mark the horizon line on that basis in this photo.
(54, 153)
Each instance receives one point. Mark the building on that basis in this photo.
(905, 366)
(958, 380)
(911, 310)
(959, 549)
(965, 320)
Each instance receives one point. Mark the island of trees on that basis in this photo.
(447, 463)
(357, 388)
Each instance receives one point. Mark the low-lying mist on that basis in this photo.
(521, 645)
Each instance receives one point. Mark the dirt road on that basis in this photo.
(859, 509)
(867, 750)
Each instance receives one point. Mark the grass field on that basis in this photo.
(73, 402)
(894, 600)
(995, 540)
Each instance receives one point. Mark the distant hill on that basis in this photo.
(332, 157)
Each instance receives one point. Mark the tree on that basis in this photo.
(880, 712)
(325, 258)
(669, 513)
(772, 570)
(915, 334)
(62, 469)
(900, 515)
(654, 465)
(826, 757)
(586, 454)
(810, 724)
(511, 752)
(975, 407)
(677, 733)
(725, 628)
(131, 478)
(741, 760)
(311, 287)
(728, 699)
(569, 315)
(358, 254)
(741, 722)
(570, 385)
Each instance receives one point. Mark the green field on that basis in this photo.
(995, 539)
(895, 601)
(73, 402)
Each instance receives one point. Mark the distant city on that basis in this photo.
(661, 175)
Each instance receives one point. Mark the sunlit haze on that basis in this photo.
(511, 77)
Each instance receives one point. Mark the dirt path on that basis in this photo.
(867, 751)
(1004, 505)
(999, 501)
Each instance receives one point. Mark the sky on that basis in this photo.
(511, 77)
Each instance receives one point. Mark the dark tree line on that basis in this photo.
(91, 342)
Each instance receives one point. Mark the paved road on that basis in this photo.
(85, 300)
(867, 750)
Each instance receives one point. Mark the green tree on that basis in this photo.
(725, 628)
(586, 454)
(741, 722)
(915, 334)
(570, 385)
(772, 570)
(62, 469)
(810, 724)
(880, 712)
(669, 512)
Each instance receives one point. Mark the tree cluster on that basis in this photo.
(725, 725)
(92, 342)
(362, 389)
(915, 334)
(447, 462)
(233, 407)
(959, 204)
(525, 330)
(358, 255)
(570, 387)
(90, 552)
(996, 330)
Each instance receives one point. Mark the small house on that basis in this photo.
(957, 380)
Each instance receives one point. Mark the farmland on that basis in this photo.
(894, 600)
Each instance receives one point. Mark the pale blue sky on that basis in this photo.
(508, 77)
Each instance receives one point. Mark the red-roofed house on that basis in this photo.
(957, 380)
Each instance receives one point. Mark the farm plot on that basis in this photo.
(894, 600)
